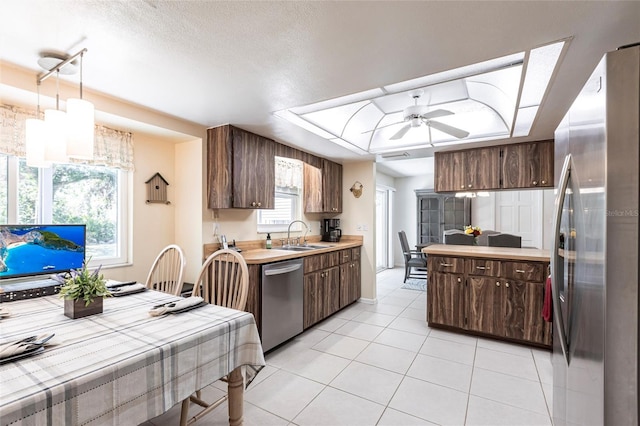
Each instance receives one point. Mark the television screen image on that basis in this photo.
(27, 250)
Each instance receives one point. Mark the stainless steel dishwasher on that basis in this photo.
(282, 302)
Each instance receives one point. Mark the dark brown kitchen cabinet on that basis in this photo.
(449, 171)
(527, 165)
(323, 188)
(514, 166)
(446, 296)
(350, 282)
(486, 305)
(492, 297)
(321, 295)
(321, 287)
(240, 169)
(469, 170)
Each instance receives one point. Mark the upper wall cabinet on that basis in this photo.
(527, 165)
(516, 166)
(470, 170)
(323, 188)
(240, 169)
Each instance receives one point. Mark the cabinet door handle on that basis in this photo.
(482, 268)
(446, 265)
(253, 204)
(535, 183)
(544, 182)
(461, 186)
(259, 204)
(520, 271)
(459, 279)
(497, 283)
(469, 186)
(506, 285)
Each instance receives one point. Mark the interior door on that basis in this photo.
(520, 213)
(382, 229)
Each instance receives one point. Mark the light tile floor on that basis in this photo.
(382, 365)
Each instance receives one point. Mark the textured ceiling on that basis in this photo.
(212, 62)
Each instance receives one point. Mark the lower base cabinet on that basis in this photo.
(321, 295)
(486, 297)
(331, 282)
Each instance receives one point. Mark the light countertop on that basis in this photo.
(258, 256)
(502, 253)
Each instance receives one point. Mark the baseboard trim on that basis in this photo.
(368, 301)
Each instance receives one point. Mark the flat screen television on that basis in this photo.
(30, 250)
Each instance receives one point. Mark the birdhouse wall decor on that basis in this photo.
(157, 189)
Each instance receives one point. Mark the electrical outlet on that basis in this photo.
(365, 227)
(359, 227)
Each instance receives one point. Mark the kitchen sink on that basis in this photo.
(304, 248)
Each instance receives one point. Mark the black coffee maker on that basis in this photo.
(331, 231)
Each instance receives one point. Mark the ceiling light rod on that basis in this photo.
(61, 65)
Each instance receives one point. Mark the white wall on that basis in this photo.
(405, 211)
(152, 224)
(360, 212)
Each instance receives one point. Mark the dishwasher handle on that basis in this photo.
(282, 270)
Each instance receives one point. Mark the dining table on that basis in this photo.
(123, 366)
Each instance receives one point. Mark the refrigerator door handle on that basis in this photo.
(555, 276)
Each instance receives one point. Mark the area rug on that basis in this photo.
(415, 284)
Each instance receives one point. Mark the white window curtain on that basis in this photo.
(288, 173)
(112, 148)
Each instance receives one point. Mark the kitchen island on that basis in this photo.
(490, 291)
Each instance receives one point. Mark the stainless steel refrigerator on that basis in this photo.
(595, 250)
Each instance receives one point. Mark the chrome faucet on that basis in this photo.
(289, 232)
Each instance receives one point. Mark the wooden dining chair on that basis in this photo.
(166, 271)
(223, 280)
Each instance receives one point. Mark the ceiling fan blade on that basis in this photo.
(382, 127)
(401, 132)
(450, 130)
(436, 113)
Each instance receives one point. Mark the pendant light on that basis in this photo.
(81, 122)
(55, 123)
(62, 135)
(35, 139)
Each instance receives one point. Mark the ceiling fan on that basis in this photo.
(415, 115)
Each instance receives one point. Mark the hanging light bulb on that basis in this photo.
(35, 139)
(80, 121)
(56, 131)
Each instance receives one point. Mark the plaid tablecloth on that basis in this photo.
(120, 367)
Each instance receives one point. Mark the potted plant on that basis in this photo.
(83, 291)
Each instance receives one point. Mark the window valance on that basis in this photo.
(288, 173)
(112, 148)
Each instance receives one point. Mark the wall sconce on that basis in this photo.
(61, 135)
(356, 189)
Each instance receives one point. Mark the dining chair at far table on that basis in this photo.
(224, 281)
(458, 237)
(505, 240)
(413, 260)
(166, 271)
